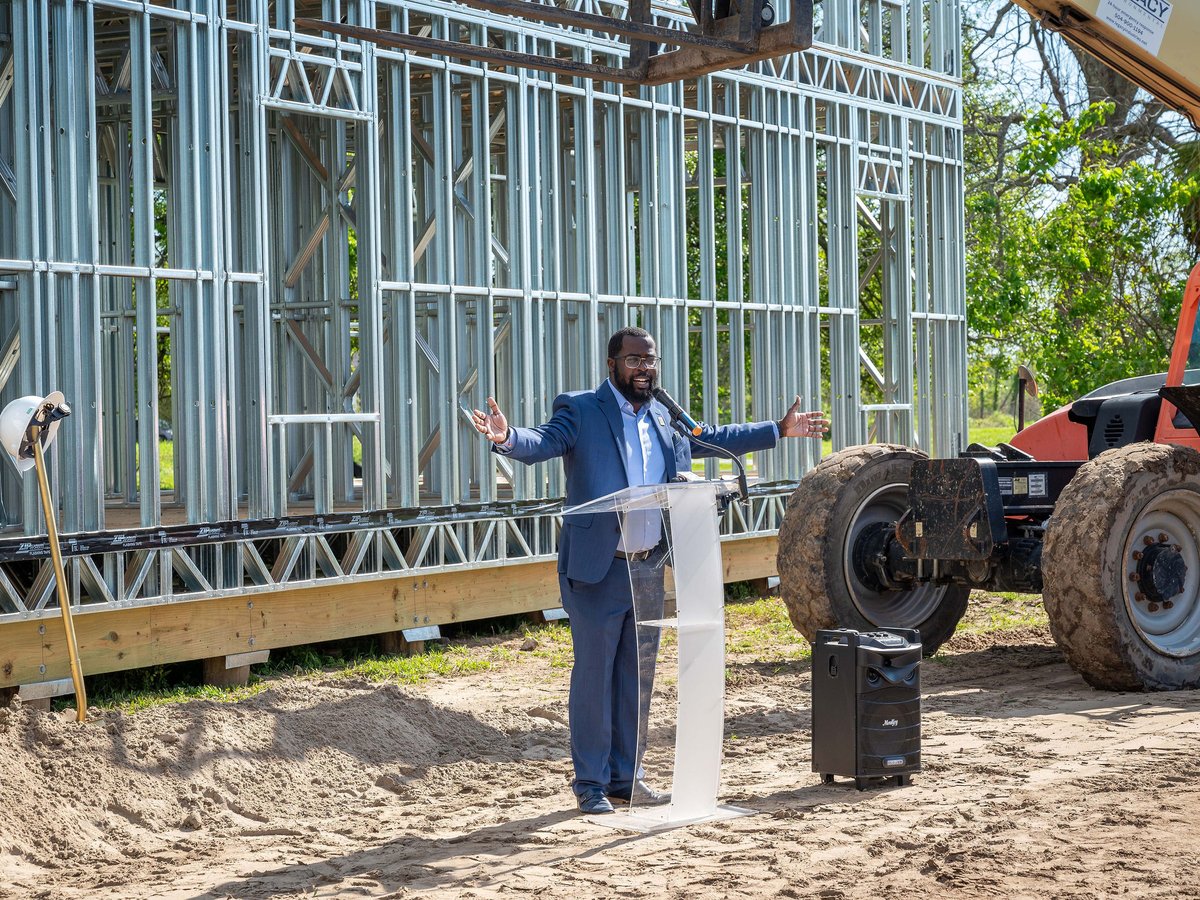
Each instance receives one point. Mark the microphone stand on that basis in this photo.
(743, 491)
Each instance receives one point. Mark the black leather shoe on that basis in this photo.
(642, 795)
(593, 802)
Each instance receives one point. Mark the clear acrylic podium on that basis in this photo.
(686, 562)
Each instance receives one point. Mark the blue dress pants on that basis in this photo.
(613, 675)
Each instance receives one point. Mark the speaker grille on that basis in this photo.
(889, 727)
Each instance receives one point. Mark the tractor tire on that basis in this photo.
(833, 503)
(1132, 510)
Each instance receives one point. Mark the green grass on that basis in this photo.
(553, 644)
(1015, 611)
(758, 628)
(360, 658)
(990, 436)
(135, 701)
(434, 662)
(762, 628)
(141, 689)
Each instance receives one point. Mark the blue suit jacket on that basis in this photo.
(585, 429)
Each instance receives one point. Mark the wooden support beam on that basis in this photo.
(636, 26)
(688, 62)
(116, 640)
(233, 671)
(749, 558)
(462, 50)
(760, 586)
(692, 62)
(218, 674)
(394, 643)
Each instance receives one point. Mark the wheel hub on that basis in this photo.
(1161, 572)
(870, 556)
(871, 570)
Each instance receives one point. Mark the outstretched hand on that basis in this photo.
(492, 424)
(802, 424)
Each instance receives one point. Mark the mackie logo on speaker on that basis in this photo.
(890, 723)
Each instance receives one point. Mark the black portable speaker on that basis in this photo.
(866, 705)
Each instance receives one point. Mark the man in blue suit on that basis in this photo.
(611, 438)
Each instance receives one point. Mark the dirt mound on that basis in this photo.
(122, 787)
(1033, 783)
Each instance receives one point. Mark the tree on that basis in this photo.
(1079, 192)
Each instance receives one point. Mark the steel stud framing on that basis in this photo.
(310, 257)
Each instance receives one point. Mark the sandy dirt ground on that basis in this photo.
(1033, 785)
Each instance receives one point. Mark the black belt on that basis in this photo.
(635, 557)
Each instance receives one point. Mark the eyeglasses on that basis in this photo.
(640, 362)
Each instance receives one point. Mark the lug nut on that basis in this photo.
(1162, 538)
(1147, 540)
(1167, 604)
(1139, 597)
(1153, 607)
(1176, 548)
(1134, 576)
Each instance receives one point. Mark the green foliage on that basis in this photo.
(162, 300)
(696, 264)
(739, 591)
(1076, 253)
(166, 465)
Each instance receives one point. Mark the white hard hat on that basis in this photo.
(16, 421)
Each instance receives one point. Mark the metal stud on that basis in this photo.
(497, 248)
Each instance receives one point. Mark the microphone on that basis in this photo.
(678, 414)
(680, 417)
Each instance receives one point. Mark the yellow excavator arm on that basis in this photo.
(1153, 43)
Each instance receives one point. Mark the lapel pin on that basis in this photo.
(662, 422)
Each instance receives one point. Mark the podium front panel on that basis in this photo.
(678, 598)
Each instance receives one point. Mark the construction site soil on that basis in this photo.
(1033, 784)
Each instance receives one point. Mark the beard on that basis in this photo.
(631, 391)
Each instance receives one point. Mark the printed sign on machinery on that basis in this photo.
(1142, 21)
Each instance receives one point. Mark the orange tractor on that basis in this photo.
(1096, 506)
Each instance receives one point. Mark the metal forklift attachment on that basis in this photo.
(955, 510)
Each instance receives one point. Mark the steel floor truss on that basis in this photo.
(147, 566)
